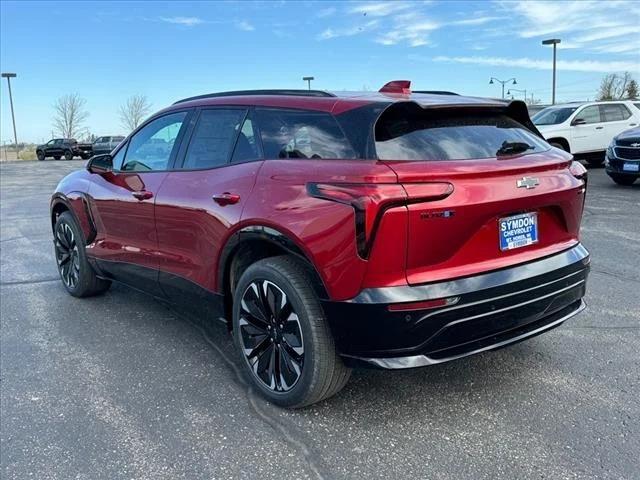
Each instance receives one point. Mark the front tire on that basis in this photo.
(76, 273)
(68, 155)
(282, 336)
(622, 179)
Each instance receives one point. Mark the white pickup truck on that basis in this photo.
(586, 129)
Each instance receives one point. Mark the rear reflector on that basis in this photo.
(424, 305)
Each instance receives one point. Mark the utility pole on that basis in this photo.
(308, 80)
(554, 42)
(9, 76)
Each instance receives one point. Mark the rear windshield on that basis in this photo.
(553, 115)
(452, 136)
(301, 134)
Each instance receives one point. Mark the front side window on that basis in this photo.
(413, 134)
(151, 148)
(213, 138)
(301, 134)
(553, 115)
(589, 114)
(614, 112)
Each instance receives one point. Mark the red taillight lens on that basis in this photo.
(423, 305)
(371, 200)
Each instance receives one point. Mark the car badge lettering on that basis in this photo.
(528, 182)
(635, 144)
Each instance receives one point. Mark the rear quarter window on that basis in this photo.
(301, 134)
(412, 134)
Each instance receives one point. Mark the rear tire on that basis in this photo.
(558, 145)
(622, 179)
(40, 155)
(76, 273)
(282, 337)
(68, 155)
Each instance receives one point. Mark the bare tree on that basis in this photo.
(614, 86)
(134, 111)
(70, 115)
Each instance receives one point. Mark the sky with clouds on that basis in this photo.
(107, 51)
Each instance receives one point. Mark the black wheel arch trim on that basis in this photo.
(269, 234)
(61, 199)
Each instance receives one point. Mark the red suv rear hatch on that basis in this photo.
(498, 170)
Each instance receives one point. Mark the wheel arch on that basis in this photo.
(250, 244)
(77, 204)
(562, 141)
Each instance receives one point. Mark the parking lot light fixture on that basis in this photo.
(308, 80)
(503, 82)
(519, 91)
(9, 76)
(554, 42)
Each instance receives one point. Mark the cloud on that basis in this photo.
(528, 63)
(184, 21)
(350, 31)
(326, 12)
(412, 29)
(381, 9)
(474, 21)
(246, 26)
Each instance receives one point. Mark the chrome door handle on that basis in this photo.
(142, 195)
(226, 198)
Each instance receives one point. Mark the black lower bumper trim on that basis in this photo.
(501, 308)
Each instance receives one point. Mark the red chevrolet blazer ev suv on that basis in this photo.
(393, 229)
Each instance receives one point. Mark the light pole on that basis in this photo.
(519, 91)
(503, 82)
(308, 80)
(554, 42)
(9, 76)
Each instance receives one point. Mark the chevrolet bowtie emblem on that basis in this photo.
(528, 182)
(635, 144)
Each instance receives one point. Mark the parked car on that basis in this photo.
(585, 129)
(63, 147)
(106, 144)
(328, 231)
(622, 161)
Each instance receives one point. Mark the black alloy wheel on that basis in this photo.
(40, 155)
(271, 336)
(68, 155)
(67, 255)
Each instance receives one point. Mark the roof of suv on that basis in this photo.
(333, 102)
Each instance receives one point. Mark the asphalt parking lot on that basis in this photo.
(121, 387)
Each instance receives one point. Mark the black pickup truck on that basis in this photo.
(64, 147)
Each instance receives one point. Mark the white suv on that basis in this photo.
(586, 128)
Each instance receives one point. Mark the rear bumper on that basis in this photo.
(484, 312)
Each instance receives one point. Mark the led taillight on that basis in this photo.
(370, 200)
(578, 170)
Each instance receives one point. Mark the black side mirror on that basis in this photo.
(578, 121)
(100, 164)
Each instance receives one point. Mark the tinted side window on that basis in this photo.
(151, 147)
(590, 114)
(246, 146)
(301, 134)
(614, 112)
(213, 138)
